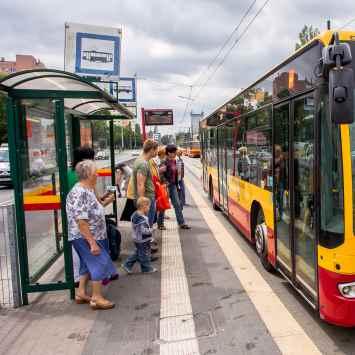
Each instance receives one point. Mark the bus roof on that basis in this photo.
(324, 38)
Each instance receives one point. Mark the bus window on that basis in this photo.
(258, 144)
(331, 183)
(229, 147)
(239, 146)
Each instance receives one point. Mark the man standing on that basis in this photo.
(142, 179)
(181, 174)
(171, 176)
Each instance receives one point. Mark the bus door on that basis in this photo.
(294, 191)
(222, 168)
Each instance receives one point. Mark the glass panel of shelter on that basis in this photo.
(41, 188)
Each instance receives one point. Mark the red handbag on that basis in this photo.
(161, 195)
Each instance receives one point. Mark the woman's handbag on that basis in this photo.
(161, 195)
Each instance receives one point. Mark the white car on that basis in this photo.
(5, 174)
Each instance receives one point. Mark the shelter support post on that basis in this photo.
(64, 189)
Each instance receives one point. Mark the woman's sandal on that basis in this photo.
(82, 300)
(96, 305)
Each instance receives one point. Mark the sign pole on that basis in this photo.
(143, 126)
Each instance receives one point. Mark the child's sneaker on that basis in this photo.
(125, 268)
(151, 271)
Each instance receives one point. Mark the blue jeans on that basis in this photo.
(152, 211)
(140, 255)
(174, 197)
(161, 216)
(182, 193)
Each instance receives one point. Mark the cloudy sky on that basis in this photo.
(169, 43)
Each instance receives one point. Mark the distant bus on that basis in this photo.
(283, 171)
(98, 57)
(193, 149)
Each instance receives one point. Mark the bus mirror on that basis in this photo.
(341, 100)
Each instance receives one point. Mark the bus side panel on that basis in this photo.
(239, 216)
(240, 199)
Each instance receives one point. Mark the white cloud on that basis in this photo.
(170, 42)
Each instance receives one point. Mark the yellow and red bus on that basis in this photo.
(193, 149)
(279, 161)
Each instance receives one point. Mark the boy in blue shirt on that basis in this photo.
(142, 236)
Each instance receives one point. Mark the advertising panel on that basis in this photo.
(159, 117)
(92, 50)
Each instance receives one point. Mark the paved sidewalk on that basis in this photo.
(194, 305)
(52, 324)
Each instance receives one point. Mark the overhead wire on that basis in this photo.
(220, 51)
(347, 24)
(237, 40)
(225, 43)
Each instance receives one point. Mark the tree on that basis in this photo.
(101, 134)
(306, 35)
(138, 136)
(166, 139)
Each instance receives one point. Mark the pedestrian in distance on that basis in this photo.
(142, 236)
(180, 166)
(123, 174)
(171, 177)
(79, 154)
(88, 235)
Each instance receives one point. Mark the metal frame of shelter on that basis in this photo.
(68, 96)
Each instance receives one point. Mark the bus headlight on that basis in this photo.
(347, 290)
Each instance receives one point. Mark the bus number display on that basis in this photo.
(158, 117)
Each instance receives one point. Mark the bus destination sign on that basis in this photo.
(160, 117)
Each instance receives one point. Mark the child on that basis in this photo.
(142, 236)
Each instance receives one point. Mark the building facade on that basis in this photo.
(22, 62)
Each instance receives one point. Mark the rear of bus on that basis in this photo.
(194, 149)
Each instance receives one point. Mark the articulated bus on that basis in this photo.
(279, 161)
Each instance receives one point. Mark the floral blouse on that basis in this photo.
(83, 204)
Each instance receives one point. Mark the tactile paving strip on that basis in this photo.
(177, 328)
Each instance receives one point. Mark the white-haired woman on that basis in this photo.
(87, 232)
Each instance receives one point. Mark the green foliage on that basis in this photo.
(306, 35)
(166, 139)
(124, 137)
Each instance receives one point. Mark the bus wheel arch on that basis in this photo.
(259, 234)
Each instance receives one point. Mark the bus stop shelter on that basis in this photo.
(44, 110)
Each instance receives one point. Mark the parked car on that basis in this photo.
(101, 155)
(5, 174)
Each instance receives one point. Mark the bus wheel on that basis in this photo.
(260, 233)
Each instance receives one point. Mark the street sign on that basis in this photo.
(156, 137)
(92, 50)
(159, 117)
(126, 90)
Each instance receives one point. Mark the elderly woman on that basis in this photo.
(87, 232)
